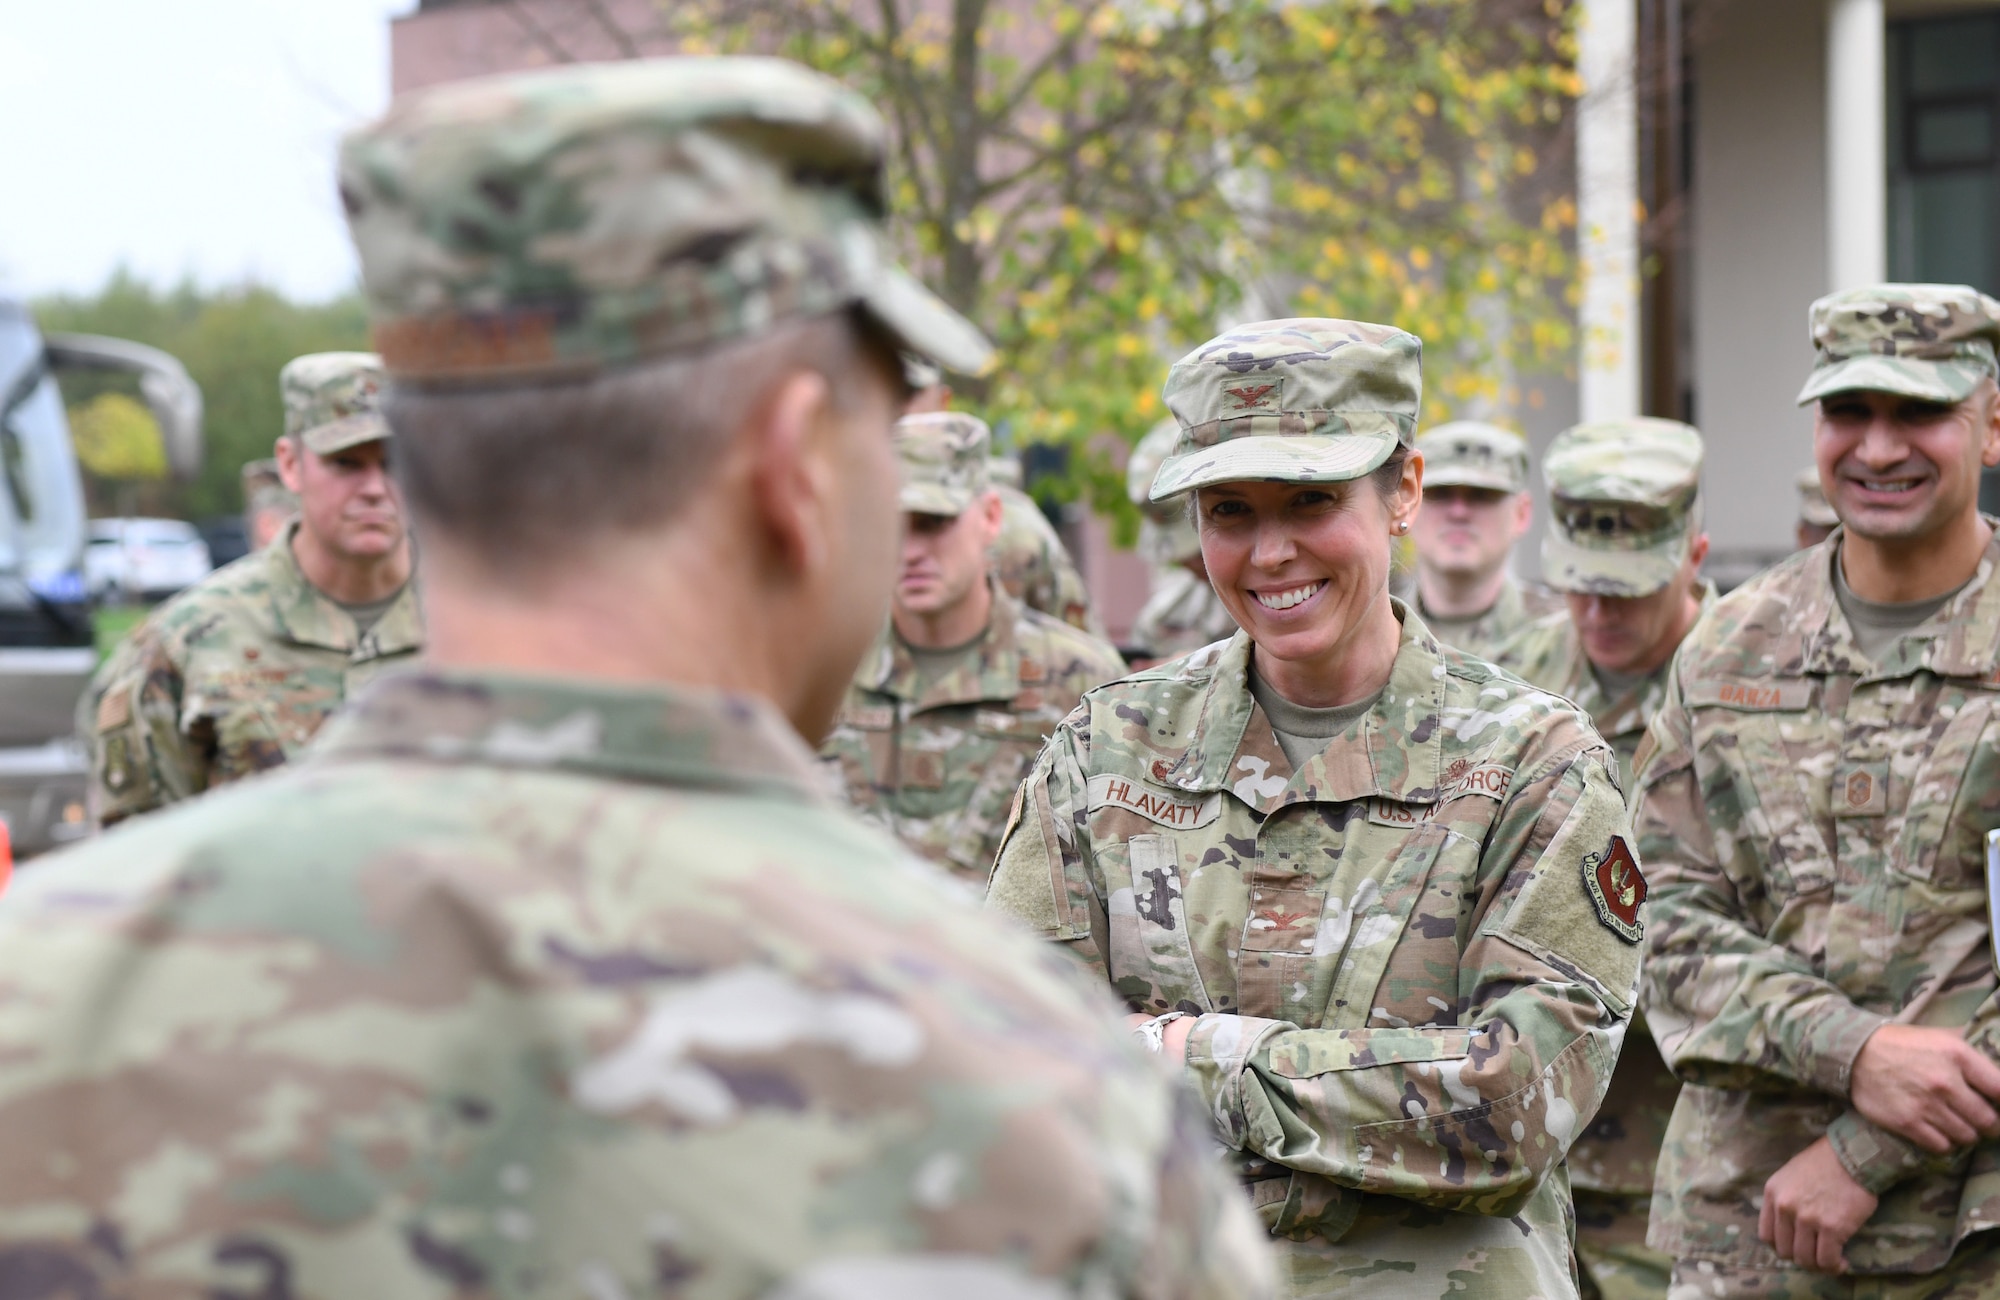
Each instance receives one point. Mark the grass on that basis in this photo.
(114, 623)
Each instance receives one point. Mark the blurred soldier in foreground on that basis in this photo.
(1182, 611)
(1816, 518)
(964, 685)
(548, 972)
(1813, 800)
(268, 505)
(1476, 506)
(1369, 895)
(234, 675)
(1625, 548)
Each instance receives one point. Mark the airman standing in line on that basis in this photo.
(1813, 799)
(1368, 895)
(1033, 565)
(1476, 506)
(1182, 611)
(1816, 518)
(235, 675)
(268, 505)
(1625, 548)
(550, 971)
(964, 685)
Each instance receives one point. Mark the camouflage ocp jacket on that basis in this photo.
(1412, 961)
(937, 766)
(230, 678)
(1813, 825)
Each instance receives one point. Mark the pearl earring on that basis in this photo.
(1402, 526)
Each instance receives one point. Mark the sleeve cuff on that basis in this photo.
(1873, 1157)
(1832, 1044)
(1219, 1050)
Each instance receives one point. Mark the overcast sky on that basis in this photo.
(193, 137)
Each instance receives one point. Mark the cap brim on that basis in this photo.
(933, 499)
(1469, 476)
(326, 439)
(1586, 570)
(1334, 458)
(1929, 381)
(923, 324)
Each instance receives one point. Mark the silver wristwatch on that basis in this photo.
(1153, 1033)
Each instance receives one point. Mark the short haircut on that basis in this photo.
(522, 476)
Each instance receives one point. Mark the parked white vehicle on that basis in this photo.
(143, 559)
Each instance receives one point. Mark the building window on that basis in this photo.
(1944, 163)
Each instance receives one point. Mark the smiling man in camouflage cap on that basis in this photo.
(1476, 506)
(1812, 804)
(965, 684)
(1624, 548)
(235, 675)
(551, 971)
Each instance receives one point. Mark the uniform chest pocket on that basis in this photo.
(253, 722)
(1769, 759)
(1954, 798)
(989, 767)
(1152, 961)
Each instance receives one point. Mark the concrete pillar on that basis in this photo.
(1607, 167)
(1857, 164)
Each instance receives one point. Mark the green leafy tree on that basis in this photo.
(233, 341)
(1100, 183)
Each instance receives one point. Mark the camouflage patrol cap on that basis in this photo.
(1166, 536)
(1813, 506)
(264, 488)
(1292, 401)
(1928, 341)
(546, 225)
(333, 400)
(943, 454)
(1623, 505)
(1005, 471)
(1471, 453)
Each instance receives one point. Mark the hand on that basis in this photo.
(1811, 1207)
(1929, 1085)
(1173, 1039)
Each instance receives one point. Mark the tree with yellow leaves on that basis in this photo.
(1102, 183)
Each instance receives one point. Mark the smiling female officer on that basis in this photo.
(1374, 895)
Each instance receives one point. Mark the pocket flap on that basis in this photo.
(1328, 1053)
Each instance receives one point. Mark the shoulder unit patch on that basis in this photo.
(1616, 889)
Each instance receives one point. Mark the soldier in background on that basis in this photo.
(1031, 562)
(549, 971)
(235, 675)
(1476, 506)
(1812, 803)
(1625, 548)
(1182, 611)
(1816, 518)
(964, 685)
(268, 505)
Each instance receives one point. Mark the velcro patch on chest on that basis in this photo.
(1764, 695)
(1861, 789)
(1617, 889)
(1155, 805)
(1394, 812)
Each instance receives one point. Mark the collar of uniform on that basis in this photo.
(892, 670)
(1507, 607)
(1968, 645)
(1400, 754)
(667, 734)
(305, 615)
(1633, 710)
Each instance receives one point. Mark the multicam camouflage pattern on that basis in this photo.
(1624, 505)
(936, 767)
(517, 988)
(943, 456)
(1974, 1275)
(333, 400)
(1167, 536)
(1812, 824)
(1181, 613)
(556, 222)
(263, 489)
(1611, 1166)
(1034, 566)
(1512, 612)
(1472, 453)
(1930, 341)
(230, 678)
(1408, 1006)
(1305, 401)
(1814, 508)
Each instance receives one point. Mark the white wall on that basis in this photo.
(1759, 246)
